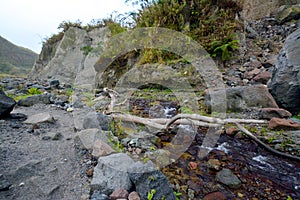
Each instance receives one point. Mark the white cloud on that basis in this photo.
(26, 23)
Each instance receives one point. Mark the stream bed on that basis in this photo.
(262, 174)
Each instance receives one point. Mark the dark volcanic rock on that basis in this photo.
(146, 177)
(285, 82)
(35, 99)
(226, 177)
(269, 113)
(6, 104)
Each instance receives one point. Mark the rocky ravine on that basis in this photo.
(63, 152)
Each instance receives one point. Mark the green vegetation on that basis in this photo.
(34, 91)
(151, 194)
(210, 22)
(31, 92)
(15, 60)
(86, 50)
(225, 48)
(177, 195)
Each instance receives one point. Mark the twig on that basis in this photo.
(250, 135)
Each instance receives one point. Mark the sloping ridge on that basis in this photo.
(15, 60)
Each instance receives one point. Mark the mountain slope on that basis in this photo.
(15, 60)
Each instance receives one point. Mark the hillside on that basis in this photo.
(15, 60)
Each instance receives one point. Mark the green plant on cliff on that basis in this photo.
(224, 48)
(86, 50)
(206, 21)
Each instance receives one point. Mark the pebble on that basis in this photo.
(193, 165)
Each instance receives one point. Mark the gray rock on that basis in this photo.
(89, 136)
(146, 177)
(35, 99)
(111, 173)
(97, 120)
(6, 104)
(285, 82)
(4, 183)
(226, 177)
(241, 98)
(40, 118)
(102, 149)
(99, 196)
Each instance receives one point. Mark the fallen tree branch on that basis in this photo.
(212, 120)
(164, 124)
(251, 136)
(184, 119)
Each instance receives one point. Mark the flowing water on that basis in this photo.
(263, 174)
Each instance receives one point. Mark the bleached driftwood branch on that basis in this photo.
(163, 124)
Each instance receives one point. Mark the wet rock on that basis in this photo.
(134, 196)
(119, 194)
(6, 104)
(240, 98)
(193, 165)
(262, 77)
(87, 137)
(283, 124)
(146, 177)
(287, 13)
(229, 179)
(215, 196)
(97, 195)
(269, 113)
(101, 149)
(214, 164)
(111, 173)
(40, 118)
(231, 130)
(161, 157)
(285, 82)
(54, 83)
(35, 99)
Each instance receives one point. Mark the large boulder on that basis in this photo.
(111, 173)
(285, 82)
(240, 98)
(147, 178)
(35, 99)
(6, 104)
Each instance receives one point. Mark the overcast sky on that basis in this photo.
(27, 22)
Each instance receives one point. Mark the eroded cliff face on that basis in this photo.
(255, 9)
(71, 60)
